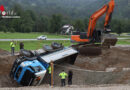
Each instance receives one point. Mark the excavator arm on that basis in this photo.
(108, 9)
(108, 17)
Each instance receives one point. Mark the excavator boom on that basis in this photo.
(108, 17)
(94, 18)
(108, 9)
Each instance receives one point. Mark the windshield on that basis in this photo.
(37, 68)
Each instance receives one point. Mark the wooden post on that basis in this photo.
(52, 73)
(38, 45)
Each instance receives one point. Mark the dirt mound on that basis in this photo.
(114, 57)
(3, 52)
(6, 62)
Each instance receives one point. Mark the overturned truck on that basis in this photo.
(31, 66)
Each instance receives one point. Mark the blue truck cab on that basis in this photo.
(29, 72)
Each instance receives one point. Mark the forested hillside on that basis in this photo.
(51, 15)
(71, 8)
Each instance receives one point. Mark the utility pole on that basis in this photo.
(52, 73)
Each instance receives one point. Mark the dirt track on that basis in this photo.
(116, 57)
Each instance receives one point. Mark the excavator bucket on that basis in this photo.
(109, 40)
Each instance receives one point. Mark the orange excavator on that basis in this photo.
(94, 36)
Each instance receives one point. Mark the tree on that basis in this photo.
(42, 24)
(45, 24)
(118, 28)
(126, 25)
(12, 30)
(55, 23)
(86, 22)
(17, 8)
(79, 25)
(3, 28)
(27, 23)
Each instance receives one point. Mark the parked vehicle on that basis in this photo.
(43, 37)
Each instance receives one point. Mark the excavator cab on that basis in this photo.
(104, 38)
(82, 36)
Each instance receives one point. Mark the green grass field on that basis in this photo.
(29, 35)
(9, 35)
(124, 42)
(33, 45)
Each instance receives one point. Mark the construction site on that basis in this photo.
(92, 60)
(111, 67)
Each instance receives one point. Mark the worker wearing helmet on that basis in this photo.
(63, 76)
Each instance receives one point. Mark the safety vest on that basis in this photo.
(49, 68)
(63, 75)
(12, 44)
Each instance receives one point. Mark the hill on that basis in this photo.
(73, 8)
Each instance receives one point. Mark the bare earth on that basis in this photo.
(111, 67)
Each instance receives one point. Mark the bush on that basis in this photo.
(3, 28)
(12, 30)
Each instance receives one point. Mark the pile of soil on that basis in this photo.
(6, 62)
(3, 52)
(117, 57)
